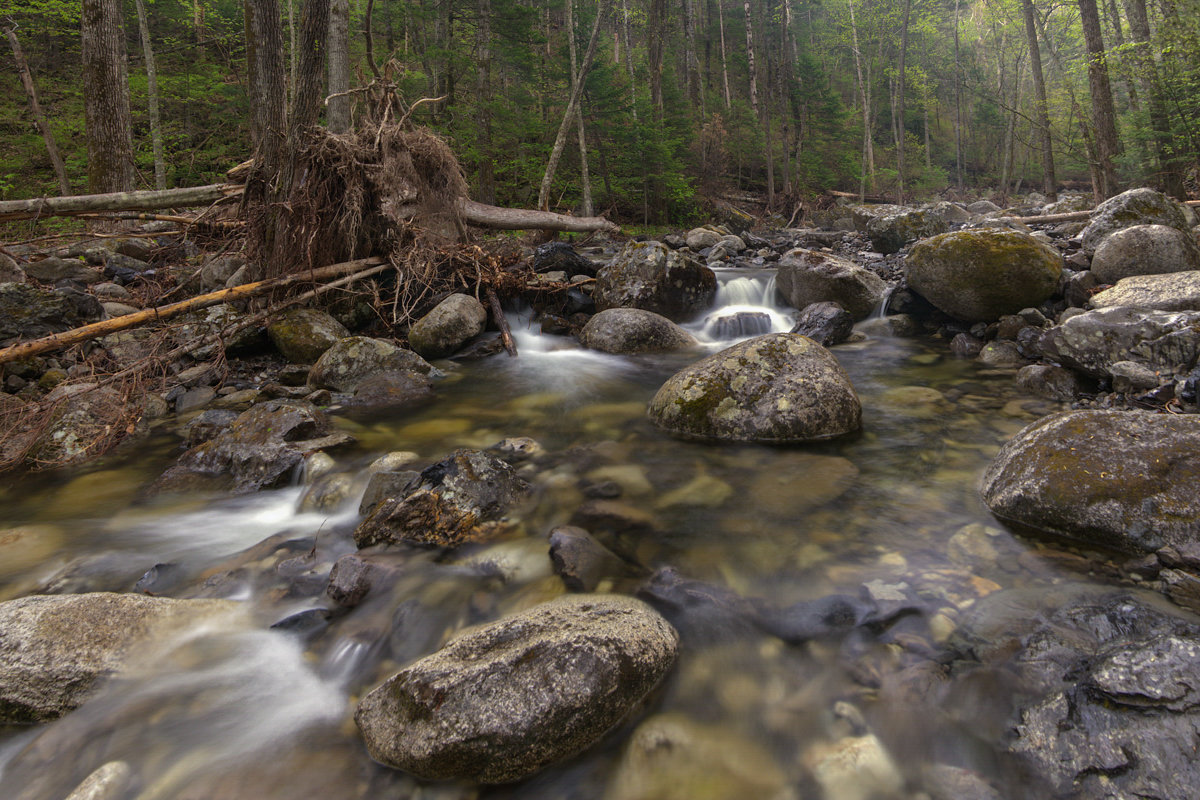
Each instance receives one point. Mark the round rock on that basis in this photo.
(1135, 207)
(349, 361)
(1145, 250)
(444, 330)
(633, 330)
(499, 703)
(980, 275)
(778, 388)
(303, 334)
(805, 277)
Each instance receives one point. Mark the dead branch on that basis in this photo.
(516, 219)
(506, 336)
(116, 201)
(57, 341)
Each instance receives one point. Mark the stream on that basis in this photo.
(236, 709)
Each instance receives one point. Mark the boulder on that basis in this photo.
(1122, 480)
(448, 326)
(983, 207)
(633, 330)
(81, 425)
(10, 271)
(56, 649)
(27, 312)
(1145, 250)
(980, 275)
(807, 276)
(393, 390)
(53, 270)
(825, 323)
(1091, 342)
(1134, 207)
(461, 499)
(218, 321)
(351, 360)
(777, 388)
(890, 232)
(702, 238)
(1049, 381)
(1178, 291)
(501, 702)
(650, 276)
(303, 334)
(561, 257)
(216, 272)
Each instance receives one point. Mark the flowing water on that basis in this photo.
(237, 710)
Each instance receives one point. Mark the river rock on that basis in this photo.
(461, 499)
(108, 782)
(1091, 342)
(1178, 291)
(55, 650)
(561, 257)
(807, 276)
(10, 270)
(1123, 480)
(216, 272)
(1134, 207)
(825, 323)
(219, 321)
(777, 388)
(393, 390)
(1145, 250)
(81, 424)
(701, 238)
(27, 312)
(261, 449)
(448, 326)
(1050, 381)
(890, 232)
(633, 330)
(349, 361)
(303, 334)
(650, 276)
(499, 703)
(53, 270)
(582, 561)
(980, 275)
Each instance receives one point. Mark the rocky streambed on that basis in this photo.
(950, 554)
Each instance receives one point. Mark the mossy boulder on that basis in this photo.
(27, 312)
(890, 232)
(805, 277)
(778, 388)
(1145, 250)
(1092, 342)
(499, 703)
(633, 330)
(1134, 207)
(1122, 480)
(352, 360)
(303, 334)
(650, 276)
(448, 326)
(981, 275)
(86, 420)
(1178, 291)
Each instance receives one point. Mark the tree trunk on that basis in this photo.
(958, 154)
(1170, 179)
(35, 108)
(1041, 110)
(753, 73)
(867, 178)
(633, 111)
(483, 57)
(156, 144)
(691, 62)
(106, 101)
(568, 117)
(1104, 116)
(585, 179)
(337, 112)
(724, 61)
(264, 186)
(655, 46)
(900, 86)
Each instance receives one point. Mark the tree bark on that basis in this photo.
(1170, 179)
(750, 61)
(1041, 110)
(585, 178)
(867, 178)
(337, 110)
(486, 174)
(106, 101)
(900, 87)
(958, 154)
(156, 143)
(691, 62)
(116, 201)
(39, 116)
(724, 61)
(1103, 113)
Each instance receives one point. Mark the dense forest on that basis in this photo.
(650, 108)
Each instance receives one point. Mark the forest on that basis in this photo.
(651, 109)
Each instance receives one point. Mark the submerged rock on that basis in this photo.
(448, 326)
(806, 276)
(55, 650)
(499, 703)
(1135, 207)
(650, 276)
(1145, 250)
(981, 275)
(633, 330)
(461, 499)
(1123, 480)
(778, 388)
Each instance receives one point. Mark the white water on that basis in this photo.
(746, 305)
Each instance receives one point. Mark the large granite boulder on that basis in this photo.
(352, 360)
(633, 330)
(650, 276)
(461, 499)
(981, 275)
(499, 703)
(84, 422)
(1178, 291)
(1134, 207)
(27, 312)
(777, 388)
(1145, 250)
(890, 232)
(303, 334)
(448, 326)
(805, 277)
(1122, 480)
(1092, 342)
(55, 650)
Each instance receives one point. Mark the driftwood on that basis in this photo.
(57, 341)
(506, 336)
(1071, 216)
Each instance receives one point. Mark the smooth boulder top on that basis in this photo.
(1145, 250)
(1141, 206)
(633, 330)
(1178, 291)
(501, 702)
(353, 359)
(1123, 480)
(778, 388)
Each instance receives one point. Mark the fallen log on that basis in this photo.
(116, 201)
(864, 198)
(518, 219)
(1070, 216)
(57, 341)
(506, 337)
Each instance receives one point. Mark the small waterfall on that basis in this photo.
(881, 310)
(745, 306)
